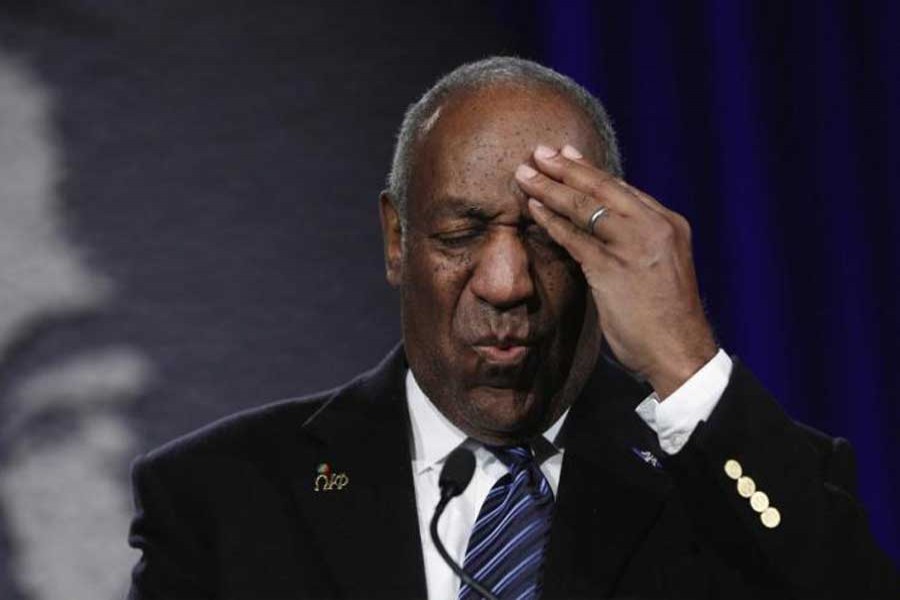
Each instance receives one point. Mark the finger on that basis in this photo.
(670, 215)
(584, 248)
(569, 165)
(574, 155)
(581, 175)
(607, 226)
(576, 206)
(648, 200)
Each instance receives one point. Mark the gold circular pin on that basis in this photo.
(759, 501)
(770, 517)
(746, 487)
(733, 469)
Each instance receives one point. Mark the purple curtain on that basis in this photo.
(774, 128)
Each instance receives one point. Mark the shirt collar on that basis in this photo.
(434, 436)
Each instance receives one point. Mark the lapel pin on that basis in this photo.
(647, 457)
(327, 480)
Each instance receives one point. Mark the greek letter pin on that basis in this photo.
(647, 457)
(327, 480)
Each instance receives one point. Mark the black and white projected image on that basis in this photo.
(178, 240)
(65, 437)
(189, 223)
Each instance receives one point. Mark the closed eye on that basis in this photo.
(459, 238)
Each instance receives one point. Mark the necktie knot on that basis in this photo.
(514, 457)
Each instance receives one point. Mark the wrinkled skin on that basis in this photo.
(506, 294)
(498, 325)
(637, 261)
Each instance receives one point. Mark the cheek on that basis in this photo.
(434, 281)
(563, 285)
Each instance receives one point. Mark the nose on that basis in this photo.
(502, 275)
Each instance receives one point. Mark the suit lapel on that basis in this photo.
(609, 496)
(367, 531)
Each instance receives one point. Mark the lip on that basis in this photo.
(502, 355)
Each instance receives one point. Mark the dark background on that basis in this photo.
(224, 158)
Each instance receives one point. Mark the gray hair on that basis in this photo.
(481, 74)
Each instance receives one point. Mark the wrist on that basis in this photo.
(676, 369)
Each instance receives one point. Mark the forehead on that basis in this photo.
(470, 146)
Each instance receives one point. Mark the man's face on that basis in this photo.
(492, 308)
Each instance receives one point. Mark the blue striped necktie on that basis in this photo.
(508, 543)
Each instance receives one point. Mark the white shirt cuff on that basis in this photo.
(674, 419)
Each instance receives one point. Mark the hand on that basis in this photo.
(637, 262)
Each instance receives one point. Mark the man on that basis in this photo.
(552, 323)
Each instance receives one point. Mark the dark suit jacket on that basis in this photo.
(231, 511)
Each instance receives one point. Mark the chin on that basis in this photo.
(506, 413)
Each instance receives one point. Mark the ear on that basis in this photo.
(392, 237)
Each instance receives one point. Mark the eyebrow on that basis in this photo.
(457, 206)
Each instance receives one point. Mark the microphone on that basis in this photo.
(454, 478)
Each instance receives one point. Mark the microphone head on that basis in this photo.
(457, 472)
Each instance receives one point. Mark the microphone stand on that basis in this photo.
(446, 496)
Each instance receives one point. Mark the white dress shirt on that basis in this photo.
(434, 437)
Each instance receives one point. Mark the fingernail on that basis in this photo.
(570, 152)
(533, 203)
(543, 151)
(523, 171)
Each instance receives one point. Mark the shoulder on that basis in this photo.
(749, 421)
(238, 448)
(759, 401)
(262, 434)
(836, 459)
(238, 431)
